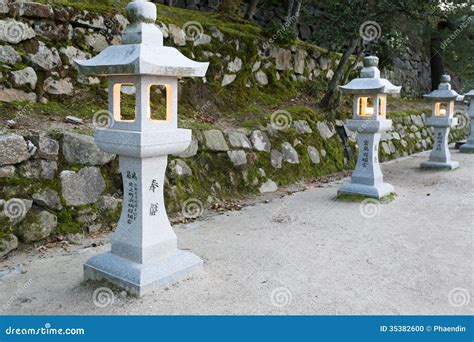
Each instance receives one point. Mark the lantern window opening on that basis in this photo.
(160, 103)
(366, 106)
(124, 102)
(441, 109)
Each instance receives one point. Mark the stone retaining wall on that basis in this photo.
(60, 184)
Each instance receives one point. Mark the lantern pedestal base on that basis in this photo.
(467, 148)
(140, 279)
(378, 191)
(451, 165)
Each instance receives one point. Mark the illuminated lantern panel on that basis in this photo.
(366, 106)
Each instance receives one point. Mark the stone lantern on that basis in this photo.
(468, 147)
(441, 119)
(144, 253)
(369, 121)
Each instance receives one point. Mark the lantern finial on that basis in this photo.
(141, 11)
(370, 69)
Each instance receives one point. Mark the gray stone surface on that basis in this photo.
(47, 198)
(203, 39)
(58, 87)
(8, 55)
(8, 243)
(191, 151)
(215, 141)
(228, 79)
(96, 41)
(47, 148)
(314, 155)
(261, 77)
(13, 149)
(260, 141)
(45, 58)
(178, 35)
(237, 157)
(179, 168)
(79, 149)
(289, 153)
(325, 130)
(71, 53)
(7, 171)
(276, 159)
(268, 186)
(11, 95)
(283, 59)
(25, 76)
(235, 65)
(38, 227)
(302, 127)
(239, 140)
(300, 59)
(108, 203)
(38, 169)
(82, 187)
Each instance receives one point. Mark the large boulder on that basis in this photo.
(283, 59)
(38, 169)
(314, 155)
(79, 149)
(325, 130)
(71, 53)
(239, 140)
(238, 158)
(38, 227)
(83, 187)
(179, 168)
(13, 149)
(302, 127)
(178, 35)
(268, 186)
(276, 159)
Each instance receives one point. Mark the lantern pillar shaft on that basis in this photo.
(468, 147)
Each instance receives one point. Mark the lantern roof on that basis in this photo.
(470, 95)
(369, 81)
(142, 51)
(444, 91)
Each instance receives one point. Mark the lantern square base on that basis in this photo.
(378, 191)
(141, 279)
(466, 148)
(451, 165)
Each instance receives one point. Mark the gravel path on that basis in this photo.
(302, 253)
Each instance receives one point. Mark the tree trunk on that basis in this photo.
(328, 100)
(348, 74)
(436, 60)
(251, 8)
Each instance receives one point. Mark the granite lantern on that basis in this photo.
(369, 121)
(468, 147)
(144, 254)
(441, 119)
